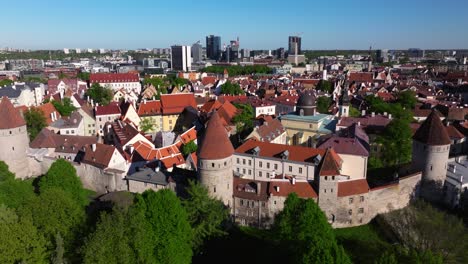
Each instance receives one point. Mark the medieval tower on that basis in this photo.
(13, 139)
(431, 147)
(215, 161)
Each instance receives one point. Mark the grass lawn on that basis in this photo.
(364, 244)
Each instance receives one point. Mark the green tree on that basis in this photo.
(407, 99)
(244, 119)
(5, 173)
(206, 215)
(99, 94)
(397, 143)
(110, 242)
(231, 89)
(35, 121)
(20, 242)
(6, 82)
(170, 226)
(64, 107)
(146, 125)
(353, 112)
(62, 175)
(323, 103)
(189, 148)
(58, 257)
(62, 76)
(387, 258)
(325, 86)
(52, 212)
(83, 76)
(303, 228)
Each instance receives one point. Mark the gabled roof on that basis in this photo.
(48, 109)
(100, 157)
(175, 103)
(271, 150)
(10, 117)
(249, 189)
(283, 188)
(113, 77)
(149, 108)
(216, 143)
(432, 131)
(210, 106)
(110, 109)
(355, 187)
(331, 164)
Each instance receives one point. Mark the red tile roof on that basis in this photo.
(216, 144)
(331, 164)
(113, 77)
(100, 157)
(210, 106)
(361, 77)
(301, 188)
(110, 109)
(175, 103)
(249, 189)
(296, 153)
(355, 187)
(454, 133)
(149, 108)
(10, 117)
(432, 131)
(48, 109)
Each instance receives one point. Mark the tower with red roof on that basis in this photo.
(215, 161)
(13, 138)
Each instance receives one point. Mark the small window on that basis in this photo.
(268, 165)
(250, 172)
(243, 171)
(290, 168)
(241, 202)
(214, 189)
(351, 200)
(361, 198)
(331, 190)
(276, 166)
(238, 161)
(300, 170)
(250, 163)
(350, 212)
(268, 175)
(259, 174)
(243, 161)
(333, 178)
(260, 164)
(212, 165)
(360, 210)
(274, 202)
(326, 178)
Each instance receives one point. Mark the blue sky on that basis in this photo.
(338, 24)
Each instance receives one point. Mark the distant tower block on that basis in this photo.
(215, 161)
(431, 147)
(14, 139)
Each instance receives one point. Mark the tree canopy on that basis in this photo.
(100, 95)
(303, 228)
(397, 143)
(236, 70)
(64, 107)
(325, 86)
(230, 88)
(35, 121)
(206, 215)
(407, 99)
(62, 175)
(244, 119)
(323, 103)
(146, 125)
(189, 148)
(5, 82)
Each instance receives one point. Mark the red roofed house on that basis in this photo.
(117, 81)
(151, 110)
(106, 113)
(172, 106)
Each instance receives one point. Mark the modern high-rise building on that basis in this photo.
(197, 52)
(181, 59)
(294, 43)
(213, 47)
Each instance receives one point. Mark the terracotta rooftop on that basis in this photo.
(48, 109)
(283, 188)
(216, 143)
(113, 77)
(432, 131)
(355, 187)
(270, 129)
(149, 108)
(99, 157)
(61, 143)
(110, 109)
(175, 103)
(249, 189)
(361, 77)
(10, 117)
(331, 164)
(296, 153)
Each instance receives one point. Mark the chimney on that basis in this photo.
(363, 113)
(385, 114)
(277, 188)
(373, 114)
(259, 188)
(93, 147)
(293, 180)
(390, 116)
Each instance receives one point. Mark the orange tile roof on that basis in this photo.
(331, 164)
(216, 143)
(355, 187)
(296, 153)
(48, 109)
(150, 108)
(302, 189)
(175, 103)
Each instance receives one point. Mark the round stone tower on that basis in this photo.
(215, 161)
(14, 139)
(431, 147)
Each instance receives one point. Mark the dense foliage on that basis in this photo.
(324, 85)
(100, 95)
(230, 88)
(35, 121)
(189, 148)
(303, 228)
(146, 124)
(5, 82)
(397, 143)
(323, 103)
(244, 119)
(64, 107)
(236, 70)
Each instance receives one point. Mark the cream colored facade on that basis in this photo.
(354, 166)
(168, 122)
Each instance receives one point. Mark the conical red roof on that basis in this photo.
(432, 131)
(216, 143)
(10, 117)
(331, 164)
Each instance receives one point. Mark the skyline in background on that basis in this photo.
(259, 24)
